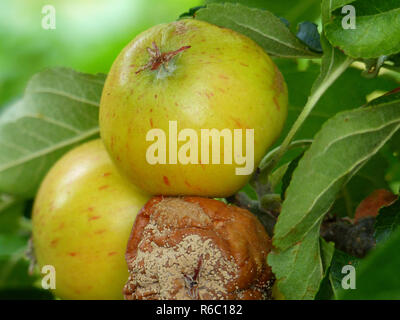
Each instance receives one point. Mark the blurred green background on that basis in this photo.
(89, 35)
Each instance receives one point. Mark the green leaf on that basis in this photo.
(376, 33)
(387, 222)
(261, 26)
(393, 63)
(11, 214)
(59, 111)
(294, 11)
(395, 144)
(325, 291)
(335, 4)
(349, 91)
(14, 274)
(288, 174)
(370, 177)
(191, 12)
(13, 243)
(343, 145)
(378, 275)
(331, 69)
(299, 269)
(340, 149)
(334, 63)
(13, 264)
(6, 201)
(327, 251)
(390, 96)
(9, 244)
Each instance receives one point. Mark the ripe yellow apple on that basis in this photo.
(182, 79)
(82, 218)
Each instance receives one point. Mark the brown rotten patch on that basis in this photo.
(197, 248)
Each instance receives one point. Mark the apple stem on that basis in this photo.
(192, 282)
(158, 59)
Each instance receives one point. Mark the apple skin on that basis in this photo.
(82, 218)
(224, 80)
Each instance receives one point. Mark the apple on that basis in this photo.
(193, 77)
(199, 249)
(82, 217)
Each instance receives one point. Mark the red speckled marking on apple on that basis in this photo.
(277, 86)
(112, 143)
(209, 94)
(201, 164)
(94, 218)
(277, 103)
(72, 254)
(61, 226)
(237, 122)
(112, 253)
(166, 181)
(104, 187)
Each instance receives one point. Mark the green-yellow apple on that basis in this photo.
(170, 87)
(82, 218)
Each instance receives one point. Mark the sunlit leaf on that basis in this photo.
(376, 32)
(260, 25)
(59, 111)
